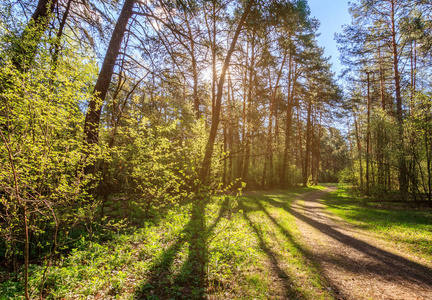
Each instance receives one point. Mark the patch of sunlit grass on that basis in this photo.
(293, 274)
(252, 252)
(409, 228)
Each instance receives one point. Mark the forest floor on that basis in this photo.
(304, 243)
(358, 263)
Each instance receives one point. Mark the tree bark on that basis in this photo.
(359, 150)
(206, 163)
(92, 120)
(288, 123)
(368, 134)
(318, 154)
(381, 131)
(308, 143)
(403, 187)
(249, 130)
(300, 141)
(59, 35)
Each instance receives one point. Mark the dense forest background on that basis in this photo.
(120, 110)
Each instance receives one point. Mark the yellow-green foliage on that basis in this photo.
(41, 148)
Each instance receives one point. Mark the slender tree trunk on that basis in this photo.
(249, 129)
(60, 34)
(308, 143)
(381, 130)
(318, 154)
(368, 135)
(403, 186)
(274, 158)
(269, 139)
(269, 150)
(383, 103)
(312, 147)
(273, 95)
(359, 149)
(300, 141)
(196, 100)
(206, 163)
(288, 122)
(92, 120)
(429, 160)
(244, 115)
(232, 105)
(225, 149)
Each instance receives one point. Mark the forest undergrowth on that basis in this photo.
(251, 251)
(251, 248)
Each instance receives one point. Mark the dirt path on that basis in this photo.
(355, 263)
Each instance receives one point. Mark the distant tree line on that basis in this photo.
(387, 52)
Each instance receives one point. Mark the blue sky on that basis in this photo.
(332, 14)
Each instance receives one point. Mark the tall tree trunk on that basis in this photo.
(92, 120)
(273, 95)
(403, 186)
(196, 100)
(225, 149)
(249, 129)
(60, 34)
(288, 122)
(244, 115)
(269, 150)
(232, 131)
(308, 143)
(381, 70)
(368, 135)
(381, 130)
(318, 154)
(312, 147)
(206, 163)
(269, 139)
(359, 149)
(214, 71)
(300, 141)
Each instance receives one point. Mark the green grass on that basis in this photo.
(409, 228)
(250, 242)
(279, 248)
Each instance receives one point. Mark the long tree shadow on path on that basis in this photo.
(389, 266)
(291, 289)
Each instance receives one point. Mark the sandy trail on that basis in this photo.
(356, 264)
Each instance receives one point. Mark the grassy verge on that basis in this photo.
(252, 252)
(408, 227)
(280, 251)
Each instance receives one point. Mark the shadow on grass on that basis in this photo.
(375, 214)
(189, 282)
(275, 264)
(255, 204)
(387, 265)
(390, 267)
